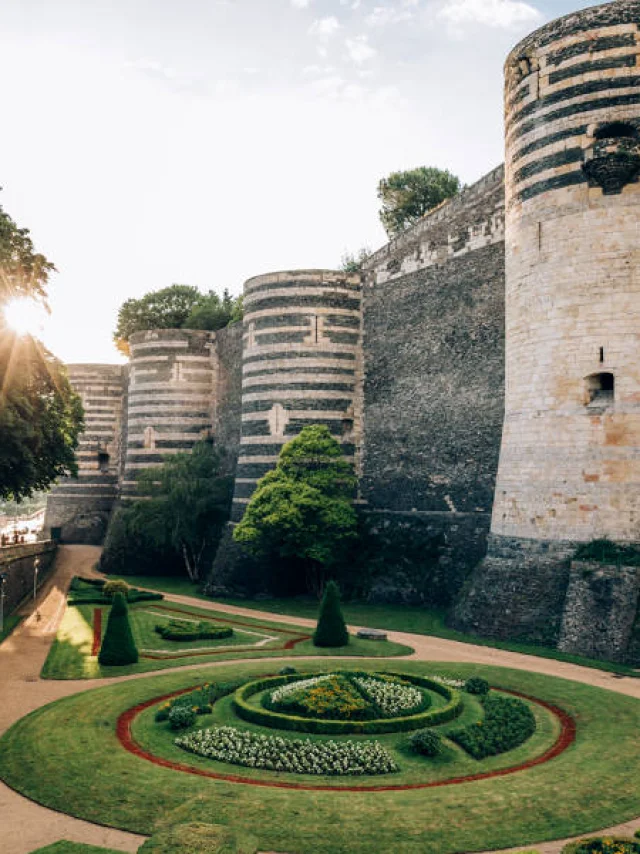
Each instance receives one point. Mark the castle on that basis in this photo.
(505, 457)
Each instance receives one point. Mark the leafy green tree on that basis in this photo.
(23, 272)
(353, 263)
(175, 307)
(118, 646)
(303, 509)
(186, 502)
(407, 196)
(331, 630)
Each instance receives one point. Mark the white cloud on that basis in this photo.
(491, 13)
(152, 68)
(300, 4)
(325, 27)
(359, 50)
(382, 16)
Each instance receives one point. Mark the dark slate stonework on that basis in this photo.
(227, 416)
(600, 611)
(518, 591)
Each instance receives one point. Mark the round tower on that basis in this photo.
(569, 467)
(301, 365)
(170, 397)
(570, 460)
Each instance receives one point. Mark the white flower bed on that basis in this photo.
(448, 681)
(392, 698)
(284, 691)
(273, 753)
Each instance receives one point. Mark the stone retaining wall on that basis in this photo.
(18, 563)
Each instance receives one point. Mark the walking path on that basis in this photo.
(27, 826)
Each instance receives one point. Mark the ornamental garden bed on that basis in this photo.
(99, 754)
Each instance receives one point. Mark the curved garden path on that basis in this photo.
(27, 825)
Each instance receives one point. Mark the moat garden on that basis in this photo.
(253, 746)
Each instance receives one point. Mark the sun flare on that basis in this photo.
(25, 317)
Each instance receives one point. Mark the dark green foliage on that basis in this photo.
(507, 723)
(23, 272)
(407, 196)
(199, 839)
(353, 263)
(118, 647)
(287, 671)
(426, 742)
(301, 516)
(603, 845)
(180, 522)
(202, 699)
(175, 307)
(89, 591)
(253, 713)
(180, 630)
(181, 717)
(476, 685)
(331, 630)
(604, 551)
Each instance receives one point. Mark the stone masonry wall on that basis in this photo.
(434, 384)
(18, 564)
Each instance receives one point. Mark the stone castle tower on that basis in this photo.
(486, 450)
(569, 467)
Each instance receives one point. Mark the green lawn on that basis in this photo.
(66, 756)
(66, 847)
(70, 656)
(400, 618)
(10, 623)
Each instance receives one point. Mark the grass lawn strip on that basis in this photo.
(590, 785)
(74, 650)
(66, 847)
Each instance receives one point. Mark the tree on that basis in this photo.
(407, 196)
(118, 646)
(353, 263)
(303, 509)
(185, 504)
(175, 307)
(23, 272)
(331, 630)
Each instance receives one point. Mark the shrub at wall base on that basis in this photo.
(118, 646)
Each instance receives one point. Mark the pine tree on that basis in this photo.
(331, 630)
(118, 646)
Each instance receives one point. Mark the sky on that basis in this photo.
(151, 142)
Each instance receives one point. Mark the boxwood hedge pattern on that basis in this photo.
(275, 720)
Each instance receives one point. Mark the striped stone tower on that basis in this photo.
(170, 397)
(302, 364)
(570, 460)
(80, 507)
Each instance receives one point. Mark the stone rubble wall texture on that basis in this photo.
(18, 564)
(81, 506)
(569, 464)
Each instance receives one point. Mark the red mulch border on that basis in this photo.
(97, 631)
(123, 732)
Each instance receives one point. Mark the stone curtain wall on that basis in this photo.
(434, 390)
(81, 506)
(227, 398)
(170, 397)
(301, 365)
(18, 563)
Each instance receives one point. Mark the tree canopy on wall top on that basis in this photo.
(175, 307)
(407, 196)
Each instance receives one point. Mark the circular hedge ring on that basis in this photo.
(377, 726)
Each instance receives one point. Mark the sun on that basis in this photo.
(24, 316)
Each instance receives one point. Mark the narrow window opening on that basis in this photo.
(103, 461)
(600, 389)
(316, 328)
(601, 355)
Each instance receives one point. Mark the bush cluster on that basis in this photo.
(201, 699)
(182, 717)
(181, 630)
(476, 685)
(426, 742)
(118, 646)
(507, 724)
(94, 591)
(297, 756)
(266, 717)
(603, 845)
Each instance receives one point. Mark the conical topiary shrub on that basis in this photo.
(331, 629)
(118, 646)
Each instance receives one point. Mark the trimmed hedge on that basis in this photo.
(89, 591)
(118, 646)
(179, 630)
(507, 724)
(331, 630)
(603, 845)
(265, 717)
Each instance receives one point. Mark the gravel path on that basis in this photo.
(27, 826)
